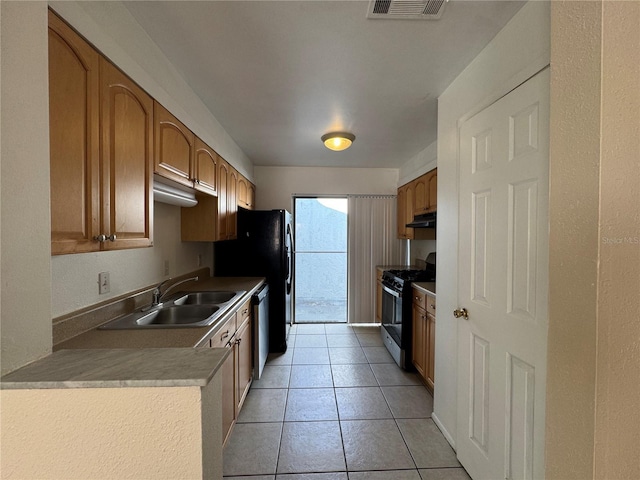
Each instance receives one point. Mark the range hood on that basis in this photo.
(426, 220)
(173, 194)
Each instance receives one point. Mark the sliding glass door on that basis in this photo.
(320, 294)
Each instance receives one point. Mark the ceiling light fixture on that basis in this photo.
(338, 141)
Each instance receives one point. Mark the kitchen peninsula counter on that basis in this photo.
(109, 368)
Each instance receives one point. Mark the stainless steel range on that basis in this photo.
(397, 309)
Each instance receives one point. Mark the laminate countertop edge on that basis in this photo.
(427, 287)
(117, 368)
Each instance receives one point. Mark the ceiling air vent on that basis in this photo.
(406, 9)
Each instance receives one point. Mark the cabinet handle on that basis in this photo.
(103, 238)
(432, 305)
(245, 311)
(238, 341)
(224, 335)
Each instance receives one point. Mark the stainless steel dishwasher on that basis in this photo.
(260, 302)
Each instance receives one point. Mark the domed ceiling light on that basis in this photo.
(338, 141)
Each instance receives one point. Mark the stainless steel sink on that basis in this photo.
(182, 310)
(205, 298)
(178, 315)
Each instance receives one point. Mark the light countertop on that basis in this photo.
(426, 287)
(108, 368)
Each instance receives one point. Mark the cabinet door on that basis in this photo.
(402, 205)
(421, 195)
(127, 163)
(433, 190)
(431, 352)
(419, 340)
(244, 361)
(174, 147)
(408, 213)
(243, 192)
(251, 197)
(232, 204)
(206, 168)
(74, 96)
(223, 198)
(229, 402)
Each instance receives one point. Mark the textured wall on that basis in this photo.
(25, 239)
(102, 433)
(617, 420)
(573, 247)
(75, 277)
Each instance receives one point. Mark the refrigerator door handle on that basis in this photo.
(289, 251)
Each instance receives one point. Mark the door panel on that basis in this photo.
(74, 97)
(502, 282)
(127, 146)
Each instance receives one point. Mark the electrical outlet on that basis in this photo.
(166, 267)
(199, 263)
(104, 283)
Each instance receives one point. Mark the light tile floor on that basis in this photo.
(336, 407)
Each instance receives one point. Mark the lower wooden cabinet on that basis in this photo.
(424, 336)
(244, 361)
(419, 340)
(237, 370)
(378, 295)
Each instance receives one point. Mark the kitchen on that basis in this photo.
(72, 284)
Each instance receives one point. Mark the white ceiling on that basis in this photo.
(279, 74)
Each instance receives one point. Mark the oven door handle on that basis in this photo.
(390, 292)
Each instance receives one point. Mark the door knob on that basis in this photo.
(461, 312)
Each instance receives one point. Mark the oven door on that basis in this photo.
(392, 313)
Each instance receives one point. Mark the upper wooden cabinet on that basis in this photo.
(101, 130)
(405, 211)
(175, 147)
(222, 232)
(206, 168)
(127, 159)
(232, 204)
(246, 193)
(415, 198)
(251, 197)
(74, 133)
(426, 192)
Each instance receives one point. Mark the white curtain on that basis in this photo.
(372, 241)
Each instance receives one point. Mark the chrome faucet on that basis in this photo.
(157, 292)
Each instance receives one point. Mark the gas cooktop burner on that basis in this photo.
(409, 274)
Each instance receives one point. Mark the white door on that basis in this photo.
(502, 284)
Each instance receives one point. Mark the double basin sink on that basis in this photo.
(184, 309)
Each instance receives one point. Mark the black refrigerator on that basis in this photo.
(264, 248)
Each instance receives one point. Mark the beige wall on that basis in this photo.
(25, 316)
(515, 54)
(592, 396)
(573, 243)
(617, 439)
(112, 433)
(276, 185)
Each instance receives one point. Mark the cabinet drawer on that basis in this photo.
(419, 298)
(244, 312)
(222, 336)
